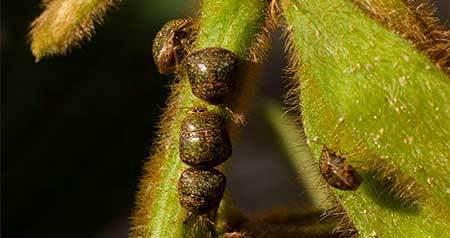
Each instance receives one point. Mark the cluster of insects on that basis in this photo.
(204, 140)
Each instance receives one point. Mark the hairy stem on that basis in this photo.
(64, 23)
(233, 25)
(368, 93)
(292, 141)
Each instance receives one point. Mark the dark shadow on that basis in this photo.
(385, 191)
(74, 127)
(259, 177)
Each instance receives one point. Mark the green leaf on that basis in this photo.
(367, 92)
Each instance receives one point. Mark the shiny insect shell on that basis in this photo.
(204, 139)
(171, 43)
(200, 191)
(211, 73)
(337, 172)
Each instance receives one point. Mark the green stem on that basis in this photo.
(233, 25)
(64, 23)
(293, 143)
(367, 92)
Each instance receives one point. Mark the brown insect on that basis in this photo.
(337, 172)
(171, 44)
(204, 140)
(200, 191)
(211, 73)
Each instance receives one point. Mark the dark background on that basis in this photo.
(74, 128)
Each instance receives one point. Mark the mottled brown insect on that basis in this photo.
(337, 172)
(211, 72)
(171, 43)
(204, 140)
(200, 191)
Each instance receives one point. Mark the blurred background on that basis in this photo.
(75, 128)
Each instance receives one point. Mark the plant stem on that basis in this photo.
(64, 23)
(293, 143)
(233, 25)
(367, 92)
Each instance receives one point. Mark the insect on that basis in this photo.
(337, 172)
(211, 73)
(200, 191)
(171, 43)
(204, 139)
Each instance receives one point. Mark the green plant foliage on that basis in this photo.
(368, 93)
